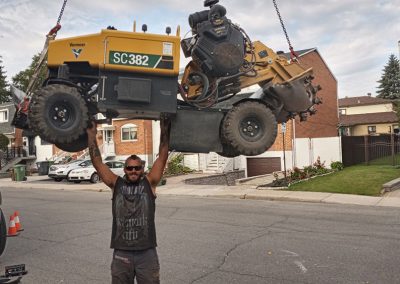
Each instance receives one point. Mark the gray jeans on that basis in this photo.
(142, 265)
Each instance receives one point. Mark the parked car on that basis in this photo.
(60, 172)
(90, 174)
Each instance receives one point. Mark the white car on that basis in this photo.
(60, 172)
(90, 174)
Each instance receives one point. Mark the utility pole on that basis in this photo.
(283, 127)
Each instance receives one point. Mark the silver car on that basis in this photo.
(89, 173)
(60, 172)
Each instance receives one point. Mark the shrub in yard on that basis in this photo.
(337, 166)
(175, 166)
(3, 142)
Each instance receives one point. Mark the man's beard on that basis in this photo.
(133, 177)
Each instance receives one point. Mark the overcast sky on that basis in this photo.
(355, 38)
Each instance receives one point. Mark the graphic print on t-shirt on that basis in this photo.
(131, 218)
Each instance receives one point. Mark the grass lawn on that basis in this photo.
(388, 160)
(360, 179)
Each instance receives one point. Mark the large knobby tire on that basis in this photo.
(75, 146)
(228, 151)
(58, 113)
(3, 232)
(250, 128)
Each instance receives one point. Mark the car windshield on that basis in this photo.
(86, 163)
(75, 162)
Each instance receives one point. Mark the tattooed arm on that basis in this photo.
(157, 170)
(104, 172)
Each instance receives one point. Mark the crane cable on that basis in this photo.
(293, 54)
(50, 36)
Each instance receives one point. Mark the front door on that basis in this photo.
(108, 142)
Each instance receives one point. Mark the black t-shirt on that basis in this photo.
(133, 208)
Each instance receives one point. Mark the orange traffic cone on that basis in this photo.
(17, 221)
(12, 230)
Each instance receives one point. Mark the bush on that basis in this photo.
(4, 141)
(175, 166)
(297, 174)
(337, 166)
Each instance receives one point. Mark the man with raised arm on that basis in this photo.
(133, 235)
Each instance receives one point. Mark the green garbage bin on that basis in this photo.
(19, 171)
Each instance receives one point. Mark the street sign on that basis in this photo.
(283, 127)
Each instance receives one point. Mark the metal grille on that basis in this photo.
(373, 150)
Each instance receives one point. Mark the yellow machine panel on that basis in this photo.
(122, 51)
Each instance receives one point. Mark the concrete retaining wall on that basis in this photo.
(228, 178)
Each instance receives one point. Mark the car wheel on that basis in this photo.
(58, 113)
(94, 178)
(250, 128)
(58, 179)
(3, 232)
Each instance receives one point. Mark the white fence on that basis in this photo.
(307, 150)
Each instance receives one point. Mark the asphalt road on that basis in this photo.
(207, 240)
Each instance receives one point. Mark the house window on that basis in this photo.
(129, 132)
(396, 129)
(342, 111)
(372, 129)
(4, 115)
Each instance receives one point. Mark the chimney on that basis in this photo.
(369, 94)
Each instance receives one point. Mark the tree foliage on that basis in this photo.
(3, 142)
(5, 95)
(389, 84)
(21, 80)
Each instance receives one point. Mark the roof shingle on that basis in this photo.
(359, 101)
(368, 118)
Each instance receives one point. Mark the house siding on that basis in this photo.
(368, 109)
(5, 127)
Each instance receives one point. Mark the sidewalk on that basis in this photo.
(176, 186)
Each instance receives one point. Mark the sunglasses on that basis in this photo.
(131, 168)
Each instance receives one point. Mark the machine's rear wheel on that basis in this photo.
(228, 151)
(3, 232)
(58, 113)
(75, 146)
(250, 128)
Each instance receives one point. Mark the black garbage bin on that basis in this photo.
(43, 167)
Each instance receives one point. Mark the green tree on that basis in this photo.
(21, 80)
(389, 84)
(3, 142)
(5, 95)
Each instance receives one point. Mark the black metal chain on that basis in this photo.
(284, 29)
(61, 12)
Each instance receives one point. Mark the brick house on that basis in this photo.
(126, 137)
(367, 115)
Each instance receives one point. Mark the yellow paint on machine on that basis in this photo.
(133, 44)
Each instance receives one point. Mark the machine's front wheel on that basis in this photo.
(58, 113)
(3, 232)
(249, 128)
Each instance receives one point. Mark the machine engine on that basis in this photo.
(217, 45)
